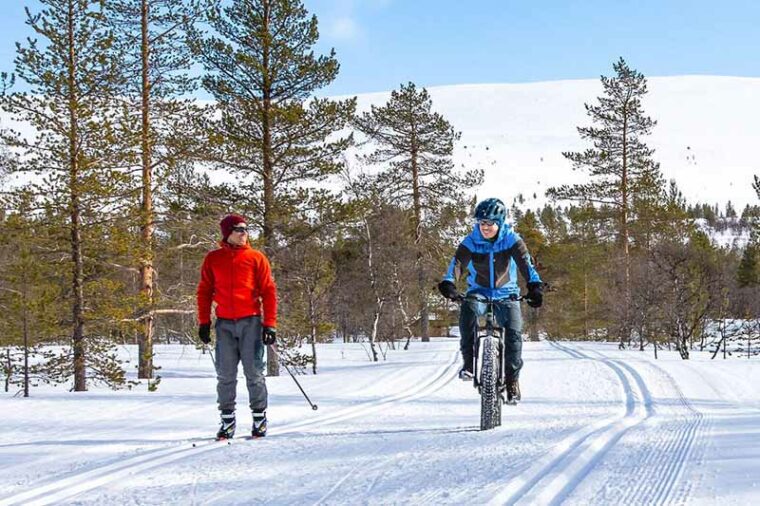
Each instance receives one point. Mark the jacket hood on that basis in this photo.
(477, 237)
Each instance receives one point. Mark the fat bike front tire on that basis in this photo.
(490, 401)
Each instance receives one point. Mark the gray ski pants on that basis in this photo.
(240, 340)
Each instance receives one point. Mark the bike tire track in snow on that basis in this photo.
(61, 489)
(553, 477)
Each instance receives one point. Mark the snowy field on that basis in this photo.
(596, 426)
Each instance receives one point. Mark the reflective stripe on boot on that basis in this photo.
(259, 424)
(227, 427)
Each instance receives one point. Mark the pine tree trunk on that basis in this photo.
(313, 321)
(77, 309)
(273, 365)
(585, 300)
(25, 317)
(8, 369)
(145, 338)
(626, 332)
(424, 316)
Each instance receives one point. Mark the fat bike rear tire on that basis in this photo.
(490, 401)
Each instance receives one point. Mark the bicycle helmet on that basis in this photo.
(491, 209)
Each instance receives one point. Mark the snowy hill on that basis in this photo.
(726, 233)
(596, 426)
(707, 127)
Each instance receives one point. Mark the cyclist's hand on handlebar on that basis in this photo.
(449, 290)
(535, 296)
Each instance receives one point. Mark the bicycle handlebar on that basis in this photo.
(482, 298)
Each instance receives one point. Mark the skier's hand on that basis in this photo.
(269, 335)
(204, 332)
(535, 297)
(448, 290)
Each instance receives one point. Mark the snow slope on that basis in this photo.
(704, 139)
(596, 426)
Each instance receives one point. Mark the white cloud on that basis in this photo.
(343, 27)
(343, 20)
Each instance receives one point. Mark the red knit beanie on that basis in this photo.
(228, 222)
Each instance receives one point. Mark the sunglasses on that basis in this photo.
(487, 223)
(240, 230)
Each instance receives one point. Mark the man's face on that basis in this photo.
(239, 235)
(488, 228)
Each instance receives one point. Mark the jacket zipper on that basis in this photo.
(232, 285)
(490, 268)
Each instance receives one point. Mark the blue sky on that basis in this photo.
(382, 43)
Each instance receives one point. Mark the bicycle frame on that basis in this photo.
(490, 365)
(489, 329)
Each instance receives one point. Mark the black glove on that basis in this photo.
(204, 332)
(269, 335)
(535, 297)
(448, 290)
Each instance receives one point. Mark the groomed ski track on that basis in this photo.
(62, 489)
(554, 476)
(420, 444)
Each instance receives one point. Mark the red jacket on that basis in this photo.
(237, 279)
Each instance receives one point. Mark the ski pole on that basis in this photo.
(313, 406)
(210, 353)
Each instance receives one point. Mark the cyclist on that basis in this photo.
(492, 254)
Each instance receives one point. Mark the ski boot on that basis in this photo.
(227, 427)
(259, 424)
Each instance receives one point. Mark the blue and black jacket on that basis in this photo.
(492, 265)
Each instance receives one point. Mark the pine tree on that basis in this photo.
(156, 59)
(72, 77)
(189, 230)
(529, 228)
(575, 261)
(620, 164)
(28, 292)
(308, 279)
(748, 273)
(415, 145)
(273, 134)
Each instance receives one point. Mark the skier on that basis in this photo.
(491, 254)
(239, 279)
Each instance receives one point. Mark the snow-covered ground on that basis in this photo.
(596, 426)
